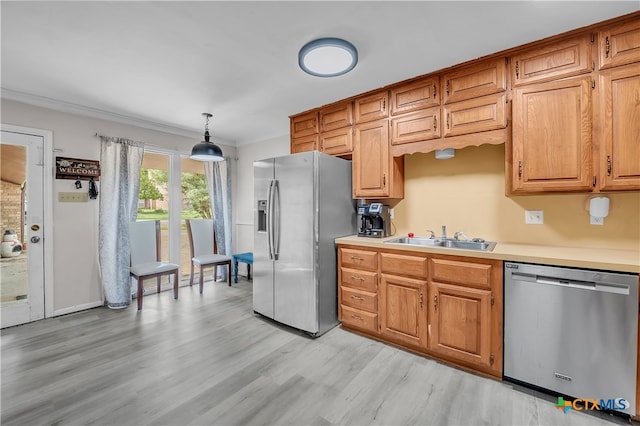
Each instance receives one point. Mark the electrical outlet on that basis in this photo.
(597, 220)
(534, 217)
(390, 213)
(73, 197)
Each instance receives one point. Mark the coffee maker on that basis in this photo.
(373, 220)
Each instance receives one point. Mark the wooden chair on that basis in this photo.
(203, 249)
(145, 260)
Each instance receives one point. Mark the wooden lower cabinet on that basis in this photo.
(403, 317)
(460, 322)
(445, 307)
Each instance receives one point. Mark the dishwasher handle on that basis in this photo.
(577, 284)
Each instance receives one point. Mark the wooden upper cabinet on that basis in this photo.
(477, 80)
(336, 116)
(416, 95)
(371, 107)
(375, 173)
(620, 134)
(303, 144)
(619, 45)
(558, 60)
(304, 124)
(475, 115)
(552, 136)
(416, 126)
(337, 142)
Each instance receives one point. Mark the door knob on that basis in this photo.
(35, 239)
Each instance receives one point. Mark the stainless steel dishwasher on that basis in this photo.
(572, 331)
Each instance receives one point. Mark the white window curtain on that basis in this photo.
(218, 175)
(120, 163)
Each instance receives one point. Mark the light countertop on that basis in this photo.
(592, 258)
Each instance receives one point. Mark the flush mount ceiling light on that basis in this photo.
(206, 150)
(327, 57)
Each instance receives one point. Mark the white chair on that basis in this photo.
(203, 249)
(144, 238)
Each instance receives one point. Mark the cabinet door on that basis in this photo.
(620, 45)
(371, 107)
(415, 126)
(414, 96)
(303, 144)
(552, 136)
(336, 116)
(460, 323)
(337, 142)
(371, 160)
(403, 316)
(475, 115)
(478, 80)
(304, 124)
(620, 134)
(558, 60)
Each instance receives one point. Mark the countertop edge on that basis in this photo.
(590, 258)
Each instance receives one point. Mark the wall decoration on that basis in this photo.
(77, 169)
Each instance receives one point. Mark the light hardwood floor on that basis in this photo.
(209, 360)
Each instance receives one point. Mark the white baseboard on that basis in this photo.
(77, 308)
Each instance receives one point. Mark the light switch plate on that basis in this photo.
(73, 197)
(534, 217)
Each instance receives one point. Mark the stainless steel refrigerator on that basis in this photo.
(302, 202)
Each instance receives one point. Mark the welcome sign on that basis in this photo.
(75, 168)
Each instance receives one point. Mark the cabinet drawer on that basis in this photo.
(359, 299)
(558, 60)
(478, 80)
(336, 116)
(335, 142)
(414, 96)
(402, 264)
(620, 45)
(359, 319)
(461, 272)
(304, 124)
(415, 126)
(476, 115)
(365, 280)
(303, 144)
(360, 259)
(372, 107)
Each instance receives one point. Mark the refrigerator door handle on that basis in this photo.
(270, 218)
(276, 220)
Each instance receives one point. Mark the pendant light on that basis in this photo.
(206, 150)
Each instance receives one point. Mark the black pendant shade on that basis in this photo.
(206, 150)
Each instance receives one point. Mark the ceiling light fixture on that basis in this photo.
(206, 150)
(327, 57)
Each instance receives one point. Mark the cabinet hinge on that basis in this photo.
(593, 83)
(593, 38)
(593, 65)
(594, 181)
(492, 359)
(493, 299)
(506, 61)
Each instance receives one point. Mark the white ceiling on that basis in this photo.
(161, 64)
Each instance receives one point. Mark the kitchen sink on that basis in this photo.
(475, 244)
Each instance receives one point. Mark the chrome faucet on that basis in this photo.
(444, 232)
(433, 234)
(459, 234)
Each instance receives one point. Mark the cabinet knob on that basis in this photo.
(519, 169)
(435, 123)
(606, 47)
(435, 303)
(517, 69)
(608, 165)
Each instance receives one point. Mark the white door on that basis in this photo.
(22, 272)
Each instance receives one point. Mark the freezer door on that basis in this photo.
(263, 174)
(296, 242)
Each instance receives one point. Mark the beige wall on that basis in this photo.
(75, 247)
(466, 193)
